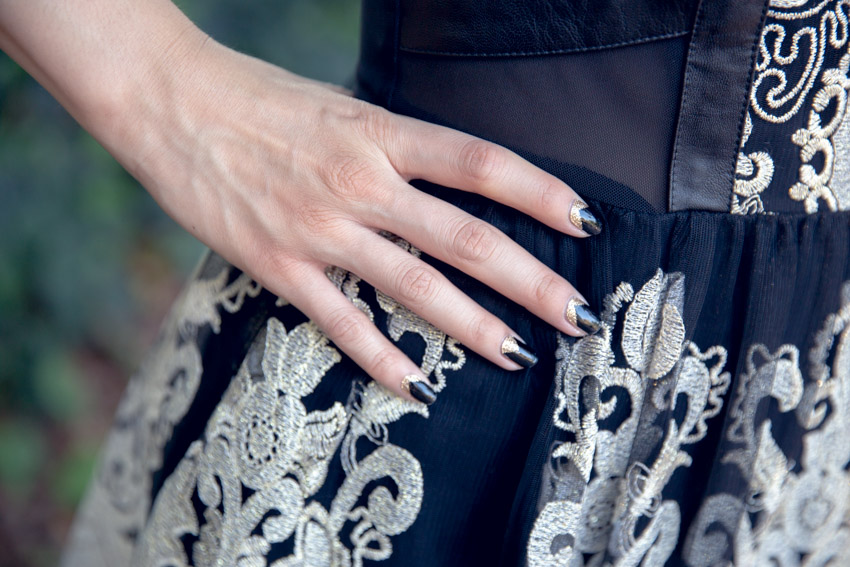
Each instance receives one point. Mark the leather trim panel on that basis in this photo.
(718, 73)
(494, 28)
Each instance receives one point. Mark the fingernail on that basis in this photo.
(583, 219)
(516, 350)
(418, 388)
(580, 315)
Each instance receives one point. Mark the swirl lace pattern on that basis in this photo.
(794, 508)
(603, 500)
(118, 500)
(246, 489)
(602, 496)
(802, 65)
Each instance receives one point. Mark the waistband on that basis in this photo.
(686, 100)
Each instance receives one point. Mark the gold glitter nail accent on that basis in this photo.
(509, 345)
(575, 213)
(570, 312)
(405, 382)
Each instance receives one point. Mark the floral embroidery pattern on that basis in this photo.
(117, 503)
(264, 457)
(828, 136)
(797, 44)
(246, 493)
(602, 487)
(790, 513)
(753, 174)
(262, 438)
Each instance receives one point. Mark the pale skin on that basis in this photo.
(284, 176)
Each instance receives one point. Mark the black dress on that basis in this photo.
(706, 424)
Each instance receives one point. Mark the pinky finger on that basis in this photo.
(355, 334)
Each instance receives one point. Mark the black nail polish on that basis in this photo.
(419, 389)
(582, 218)
(516, 350)
(581, 316)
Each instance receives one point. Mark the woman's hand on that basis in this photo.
(284, 176)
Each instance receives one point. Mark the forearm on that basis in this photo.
(97, 57)
(284, 176)
(183, 114)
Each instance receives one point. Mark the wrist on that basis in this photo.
(125, 104)
(98, 57)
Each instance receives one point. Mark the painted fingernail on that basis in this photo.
(516, 350)
(583, 219)
(418, 388)
(580, 315)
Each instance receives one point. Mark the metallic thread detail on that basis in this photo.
(803, 67)
(570, 312)
(575, 212)
(510, 345)
(264, 437)
(118, 500)
(793, 503)
(602, 498)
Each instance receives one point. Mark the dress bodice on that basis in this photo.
(649, 105)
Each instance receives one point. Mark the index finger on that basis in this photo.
(455, 159)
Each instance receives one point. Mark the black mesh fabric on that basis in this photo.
(610, 111)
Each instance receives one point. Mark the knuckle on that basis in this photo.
(370, 122)
(546, 289)
(417, 286)
(550, 197)
(481, 330)
(384, 362)
(350, 177)
(277, 269)
(347, 326)
(312, 217)
(375, 124)
(481, 161)
(318, 219)
(475, 241)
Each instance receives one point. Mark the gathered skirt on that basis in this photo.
(707, 423)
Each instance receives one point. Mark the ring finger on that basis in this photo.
(428, 293)
(479, 249)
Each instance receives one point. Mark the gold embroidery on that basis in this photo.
(829, 141)
(753, 174)
(595, 497)
(793, 513)
(157, 397)
(776, 98)
(264, 456)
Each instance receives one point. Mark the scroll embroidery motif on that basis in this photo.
(116, 506)
(795, 509)
(797, 49)
(249, 484)
(601, 499)
(753, 174)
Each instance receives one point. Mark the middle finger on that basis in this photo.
(425, 291)
(489, 255)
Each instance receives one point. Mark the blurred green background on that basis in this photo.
(89, 266)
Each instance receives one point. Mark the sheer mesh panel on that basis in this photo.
(611, 111)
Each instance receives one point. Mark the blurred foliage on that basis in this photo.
(89, 264)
